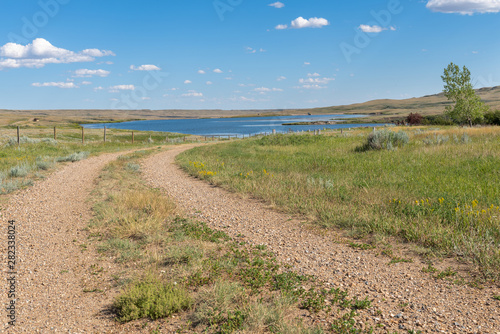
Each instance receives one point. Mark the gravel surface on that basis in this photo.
(406, 298)
(54, 266)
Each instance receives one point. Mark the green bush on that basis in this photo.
(385, 139)
(437, 120)
(492, 117)
(152, 299)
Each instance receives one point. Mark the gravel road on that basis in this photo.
(407, 298)
(53, 265)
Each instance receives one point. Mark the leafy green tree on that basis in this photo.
(468, 107)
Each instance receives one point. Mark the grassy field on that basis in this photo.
(38, 152)
(440, 191)
(214, 284)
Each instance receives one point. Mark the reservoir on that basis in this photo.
(239, 127)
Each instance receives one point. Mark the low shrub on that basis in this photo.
(414, 119)
(19, 170)
(77, 156)
(12, 141)
(153, 299)
(385, 139)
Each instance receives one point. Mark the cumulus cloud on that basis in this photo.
(323, 81)
(201, 72)
(192, 93)
(313, 75)
(145, 68)
(281, 78)
(372, 29)
(55, 84)
(187, 82)
(209, 83)
(300, 23)
(277, 4)
(314, 82)
(266, 90)
(464, 7)
(85, 73)
(41, 52)
(218, 70)
(86, 83)
(117, 88)
(375, 29)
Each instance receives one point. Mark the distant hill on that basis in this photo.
(377, 110)
(394, 109)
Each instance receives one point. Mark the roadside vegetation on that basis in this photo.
(170, 265)
(434, 187)
(38, 151)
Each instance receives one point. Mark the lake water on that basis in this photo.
(233, 126)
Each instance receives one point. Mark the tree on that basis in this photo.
(468, 107)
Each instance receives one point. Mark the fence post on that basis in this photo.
(55, 133)
(18, 138)
(83, 135)
(104, 133)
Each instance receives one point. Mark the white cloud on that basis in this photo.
(228, 78)
(265, 89)
(41, 52)
(313, 87)
(145, 68)
(55, 84)
(86, 83)
(187, 82)
(116, 89)
(193, 93)
(277, 4)
(313, 75)
(371, 29)
(306, 63)
(209, 83)
(84, 73)
(99, 88)
(201, 72)
(252, 50)
(464, 7)
(375, 29)
(98, 53)
(300, 23)
(218, 70)
(322, 81)
(281, 78)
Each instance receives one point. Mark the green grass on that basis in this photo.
(443, 196)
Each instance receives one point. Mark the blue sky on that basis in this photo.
(238, 54)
